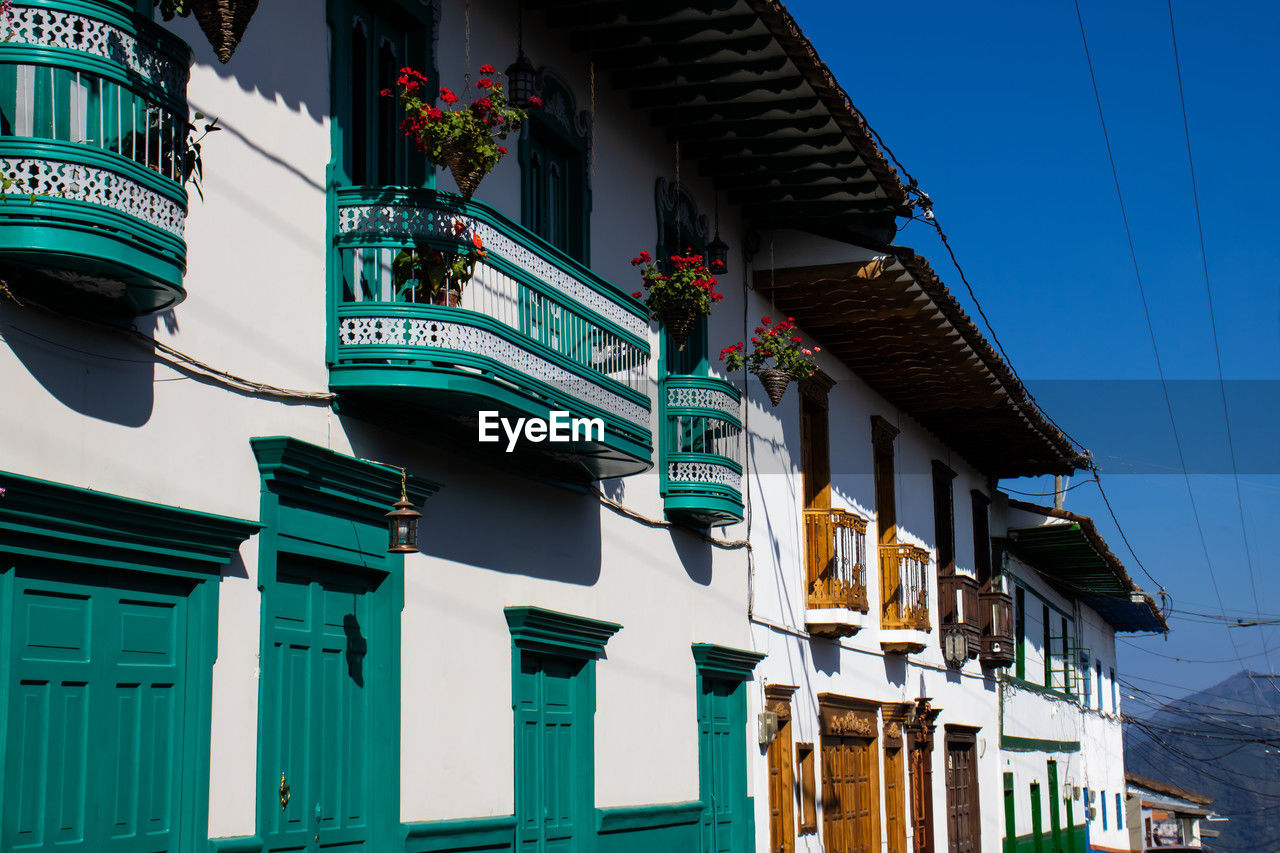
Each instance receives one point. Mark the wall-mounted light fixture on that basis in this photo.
(768, 727)
(402, 524)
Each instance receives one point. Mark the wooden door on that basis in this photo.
(895, 806)
(782, 815)
(717, 742)
(97, 675)
(962, 796)
(1055, 820)
(318, 746)
(850, 801)
(921, 781)
(549, 758)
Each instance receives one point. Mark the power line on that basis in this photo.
(1146, 310)
(1213, 323)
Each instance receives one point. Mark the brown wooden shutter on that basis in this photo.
(782, 814)
(808, 789)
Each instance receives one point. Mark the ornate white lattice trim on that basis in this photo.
(56, 28)
(704, 398)
(704, 472)
(433, 222)
(94, 185)
(397, 331)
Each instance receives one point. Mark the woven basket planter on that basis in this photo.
(447, 298)
(223, 23)
(775, 383)
(465, 174)
(679, 324)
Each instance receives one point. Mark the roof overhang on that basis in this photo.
(897, 326)
(1074, 558)
(743, 91)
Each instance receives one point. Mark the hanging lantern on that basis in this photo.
(522, 82)
(717, 249)
(402, 524)
(718, 255)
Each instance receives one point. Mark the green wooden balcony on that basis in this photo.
(535, 332)
(701, 450)
(93, 115)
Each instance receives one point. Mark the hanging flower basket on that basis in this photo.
(678, 297)
(775, 383)
(679, 323)
(466, 174)
(223, 23)
(778, 357)
(463, 139)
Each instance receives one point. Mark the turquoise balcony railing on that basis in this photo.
(534, 332)
(93, 129)
(701, 450)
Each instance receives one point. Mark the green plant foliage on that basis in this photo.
(465, 136)
(774, 347)
(688, 286)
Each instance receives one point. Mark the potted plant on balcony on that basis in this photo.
(437, 276)
(778, 356)
(678, 297)
(464, 138)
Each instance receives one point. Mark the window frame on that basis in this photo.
(559, 127)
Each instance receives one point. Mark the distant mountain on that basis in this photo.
(1223, 742)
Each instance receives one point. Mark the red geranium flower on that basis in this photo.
(487, 69)
(535, 101)
(447, 96)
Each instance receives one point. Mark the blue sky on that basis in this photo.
(989, 105)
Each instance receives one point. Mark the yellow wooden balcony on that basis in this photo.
(904, 590)
(835, 564)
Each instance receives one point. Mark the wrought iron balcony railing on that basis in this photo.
(835, 559)
(702, 450)
(93, 142)
(904, 587)
(532, 332)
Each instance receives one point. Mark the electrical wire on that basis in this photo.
(1213, 322)
(1164, 386)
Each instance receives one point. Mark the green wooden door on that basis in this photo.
(1055, 820)
(719, 743)
(550, 782)
(318, 745)
(1037, 829)
(1010, 816)
(96, 680)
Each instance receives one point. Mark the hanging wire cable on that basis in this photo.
(1133, 254)
(1213, 323)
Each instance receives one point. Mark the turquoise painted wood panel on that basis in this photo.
(97, 713)
(719, 745)
(550, 746)
(317, 732)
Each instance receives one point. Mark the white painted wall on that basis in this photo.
(86, 408)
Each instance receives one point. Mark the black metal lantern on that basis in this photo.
(522, 81)
(717, 249)
(718, 255)
(402, 524)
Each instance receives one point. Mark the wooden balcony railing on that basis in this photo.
(835, 558)
(958, 606)
(997, 647)
(904, 584)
